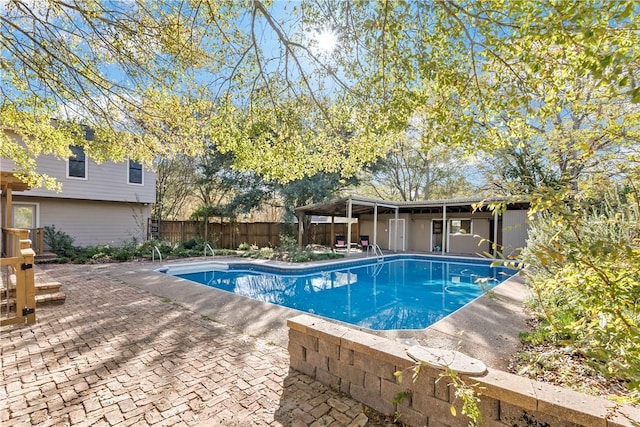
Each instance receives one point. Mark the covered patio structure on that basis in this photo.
(462, 226)
(351, 207)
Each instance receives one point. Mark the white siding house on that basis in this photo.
(107, 203)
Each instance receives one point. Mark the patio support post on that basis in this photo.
(445, 234)
(375, 224)
(332, 238)
(301, 216)
(6, 219)
(349, 213)
(395, 243)
(495, 233)
(6, 208)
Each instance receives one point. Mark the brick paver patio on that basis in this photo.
(116, 355)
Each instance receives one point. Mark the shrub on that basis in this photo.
(124, 253)
(584, 269)
(60, 242)
(300, 257)
(223, 252)
(147, 248)
(244, 246)
(266, 253)
(194, 243)
(288, 243)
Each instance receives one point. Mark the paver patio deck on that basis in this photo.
(115, 354)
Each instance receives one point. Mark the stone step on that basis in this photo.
(7, 304)
(48, 288)
(46, 258)
(41, 300)
(41, 289)
(51, 299)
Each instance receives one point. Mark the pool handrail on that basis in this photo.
(207, 245)
(153, 254)
(376, 251)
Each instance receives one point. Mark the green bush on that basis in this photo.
(300, 257)
(125, 253)
(194, 243)
(225, 252)
(266, 253)
(60, 242)
(289, 243)
(584, 269)
(191, 248)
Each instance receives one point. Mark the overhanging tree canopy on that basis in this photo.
(164, 77)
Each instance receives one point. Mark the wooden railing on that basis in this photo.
(17, 284)
(11, 240)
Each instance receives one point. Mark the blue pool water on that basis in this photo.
(401, 293)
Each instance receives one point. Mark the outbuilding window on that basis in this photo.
(460, 226)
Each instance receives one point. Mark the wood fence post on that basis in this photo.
(25, 274)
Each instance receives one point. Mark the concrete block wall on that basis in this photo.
(362, 366)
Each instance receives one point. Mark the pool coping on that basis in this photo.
(486, 329)
(307, 267)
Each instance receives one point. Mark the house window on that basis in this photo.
(460, 226)
(77, 164)
(135, 172)
(25, 215)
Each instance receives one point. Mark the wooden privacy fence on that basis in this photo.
(230, 235)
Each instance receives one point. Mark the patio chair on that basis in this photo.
(364, 242)
(341, 242)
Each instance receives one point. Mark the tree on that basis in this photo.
(116, 67)
(156, 77)
(175, 183)
(315, 189)
(424, 164)
(247, 191)
(565, 129)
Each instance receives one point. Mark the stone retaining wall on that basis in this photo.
(362, 366)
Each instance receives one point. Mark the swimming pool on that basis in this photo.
(401, 292)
